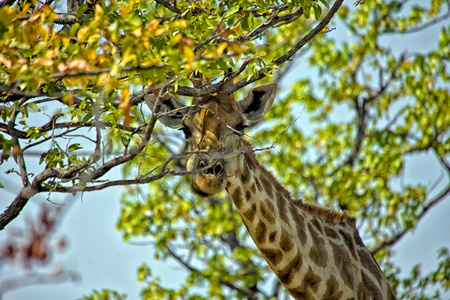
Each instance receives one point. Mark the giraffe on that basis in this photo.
(315, 252)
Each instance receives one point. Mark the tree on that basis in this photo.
(85, 74)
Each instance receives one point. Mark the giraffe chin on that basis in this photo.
(207, 185)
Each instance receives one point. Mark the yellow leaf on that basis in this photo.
(5, 61)
(325, 29)
(82, 33)
(137, 32)
(189, 55)
(127, 57)
(78, 64)
(114, 70)
(42, 61)
(68, 99)
(98, 11)
(24, 10)
(153, 24)
(160, 31)
(182, 23)
(102, 79)
(221, 48)
(125, 104)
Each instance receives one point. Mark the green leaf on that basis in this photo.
(317, 11)
(82, 9)
(325, 3)
(34, 106)
(307, 11)
(232, 11)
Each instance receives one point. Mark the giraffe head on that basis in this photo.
(214, 126)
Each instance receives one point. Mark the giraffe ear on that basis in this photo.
(172, 120)
(258, 101)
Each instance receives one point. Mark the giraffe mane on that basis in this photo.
(311, 208)
(326, 213)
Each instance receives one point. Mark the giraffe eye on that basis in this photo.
(186, 131)
(241, 128)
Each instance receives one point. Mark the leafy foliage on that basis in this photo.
(72, 89)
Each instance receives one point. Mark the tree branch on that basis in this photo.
(169, 6)
(393, 240)
(36, 279)
(62, 19)
(17, 150)
(229, 89)
(427, 24)
(247, 293)
(273, 21)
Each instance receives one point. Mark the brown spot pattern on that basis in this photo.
(271, 206)
(250, 163)
(245, 176)
(367, 289)
(274, 256)
(299, 221)
(266, 213)
(311, 281)
(272, 236)
(358, 239)
(281, 204)
(261, 232)
(258, 184)
(370, 264)
(237, 197)
(248, 196)
(287, 274)
(343, 263)
(250, 213)
(333, 292)
(317, 253)
(298, 293)
(286, 243)
(253, 188)
(329, 232)
(349, 242)
(266, 185)
(317, 224)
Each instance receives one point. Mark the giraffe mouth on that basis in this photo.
(211, 178)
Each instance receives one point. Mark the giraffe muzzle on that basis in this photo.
(215, 169)
(210, 178)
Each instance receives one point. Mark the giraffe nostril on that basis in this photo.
(218, 169)
(202, 164)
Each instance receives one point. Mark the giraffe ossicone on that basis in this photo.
(315, 252)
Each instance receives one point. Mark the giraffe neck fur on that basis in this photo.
(305, 245)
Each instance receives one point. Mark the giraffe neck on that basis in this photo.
(316, 253)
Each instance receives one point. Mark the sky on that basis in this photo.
(103, 260)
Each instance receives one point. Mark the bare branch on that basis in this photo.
(273, 21)
(394, 239)
(61, 75)
(215, 88)
(11, 88)
(213, 35)
(62, 19)
(427, 24)
(250, 294)
(169, 6)
(17, 149)
(37, 279)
